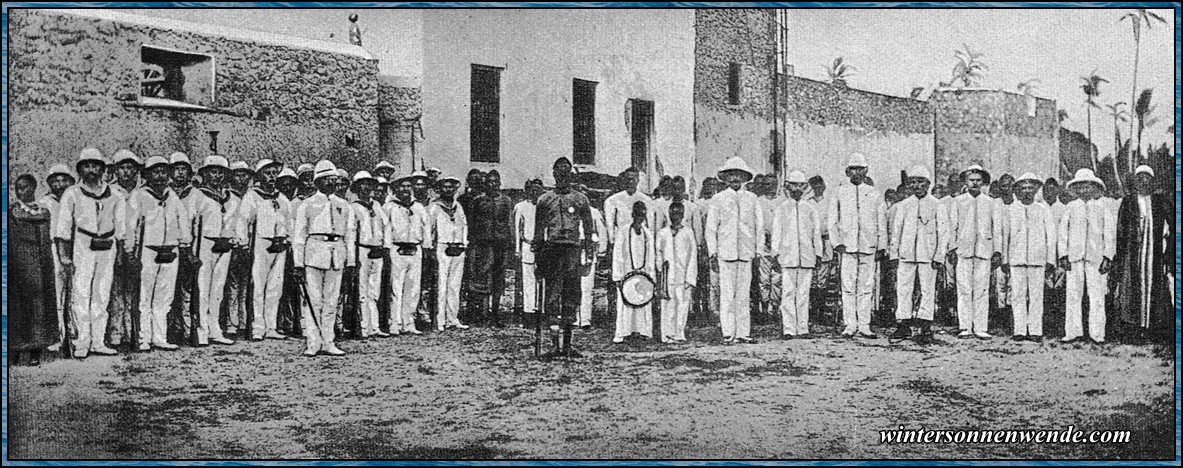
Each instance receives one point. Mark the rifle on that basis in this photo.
(248, 326)
(138, 253)
(70, 325)
(354, 285)
(194, 290)
(540, 302)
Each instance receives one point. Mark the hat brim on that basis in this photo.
(1092, 180)
(211, 167)
(985, 174)
(747, 175)
(412, 179)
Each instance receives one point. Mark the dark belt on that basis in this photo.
(328, 237)
(97, 236)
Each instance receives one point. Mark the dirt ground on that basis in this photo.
(478, 394)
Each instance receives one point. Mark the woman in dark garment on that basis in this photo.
(32, 318)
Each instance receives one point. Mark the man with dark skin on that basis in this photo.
(491, 237)
(59, 180)
(707, 292)
(180, 324)
(125, 286)
(422, 188)
(241, 178)
(474, 183)
(1143, 269)
(560, 215)
(1031, 245)
(523, 229)
(974, 249)
(306, 188)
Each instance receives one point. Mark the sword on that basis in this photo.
(194, 291)
(540, 302)
(71, 322)
(311, 310)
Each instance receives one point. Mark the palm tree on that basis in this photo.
(1116, 111)
(1137, 18)
(1092, 89)
(969, 67)
(1062, 115)
(1142, 110)
(839, 72)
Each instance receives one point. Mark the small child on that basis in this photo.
(634, 251)
(678, 255)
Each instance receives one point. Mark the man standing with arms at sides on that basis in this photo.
(1086, 247)
(523, 228)
(1000, 276)
(735, 223)
(917, 248)
(858, 230)
(491, 235)
(288, 318)
(618, 209)
(473, 188)
(180, 316)
(797, 243)
(975, 237)
(238, 298)
(408, 224)
(1145, 249)
(824, 300)
(768, 292)
(323, 244)
(159, 218)
(559, 216)
(424, 188)
(1031, 254)
(214, 211)
(124, 302)
(92, 219)
(264, 217)
(1054, 295)
(373, 245)
(590, 262)
(708, 274)
(60, 178)
(449, 234)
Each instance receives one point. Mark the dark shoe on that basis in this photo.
(923, 339)
(902, 332)
(869, 336)
(1018, 338)
(745, 340)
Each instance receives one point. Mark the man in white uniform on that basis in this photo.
(449, 236)
(735, 222)
(408, 231)
(156, 211)
(919, 234)
(214, 211)
(677, 253)
(1086, 246)
(858, 230)
(975, 221)
(323, 243)
(91, 219)
(263, 222)
(798, 246)
(523, 228)
(373, 244)
(59, 179)
(1031, 254)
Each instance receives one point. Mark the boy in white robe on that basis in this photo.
(634, 251)
(678, 255)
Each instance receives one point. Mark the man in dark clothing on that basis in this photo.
(469, 302)
(1145, 252)
(491, 238)
(560, 215)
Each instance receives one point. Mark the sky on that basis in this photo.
(895, 50)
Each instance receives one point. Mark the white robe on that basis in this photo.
(633, 252)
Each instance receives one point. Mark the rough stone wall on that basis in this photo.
(74, 81)
(721, 129)
(824, 124)
(400, 106)
(993, 128)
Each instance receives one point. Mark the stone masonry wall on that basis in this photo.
(722, 129)
(400, 107)
(994, 128)
(74, 82)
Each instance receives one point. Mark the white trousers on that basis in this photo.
(406, 272)
(1026, 299)
(529, 289)
(158, 284)
(267, 274)
(906, 276)
(973, 294)
(59, 283)
(674, 312)
(90, 294)
(735, 298)
(631, 320)
(1085, 276)
(794, 300)
(858, 288)
(451, 270)
(211, 286)
(324, 290)
(369, 287)
(587, 288)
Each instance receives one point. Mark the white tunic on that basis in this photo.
(681, 253)
(318, 218)
(919, 231)
(797, 234)
(857, 219)
(1087, 232)
(975, 226)
(1032, 235)
(734, 223)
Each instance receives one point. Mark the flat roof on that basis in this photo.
(216, 30)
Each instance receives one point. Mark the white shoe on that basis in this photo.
(965, 334)
(332, 350)
(103, 350)
(618, 340)
(461, 326)
(165, 346)
(53, 348)
(983, 335)
(412, 332)
(310, 352)
(222, 341)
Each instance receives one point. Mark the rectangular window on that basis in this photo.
(642, 133)
(583, 116)
(734, 83)
(485, 120)
(171, 75)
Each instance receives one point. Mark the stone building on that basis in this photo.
(513, 90)
(109, 79)
(1001, 130)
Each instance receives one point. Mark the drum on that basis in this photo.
(637, 289)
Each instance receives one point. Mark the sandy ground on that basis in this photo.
(479, 394)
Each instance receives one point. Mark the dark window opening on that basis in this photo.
(642, 132)
(734, 83)
(485, 119)
(583, 115)
(176, 76)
